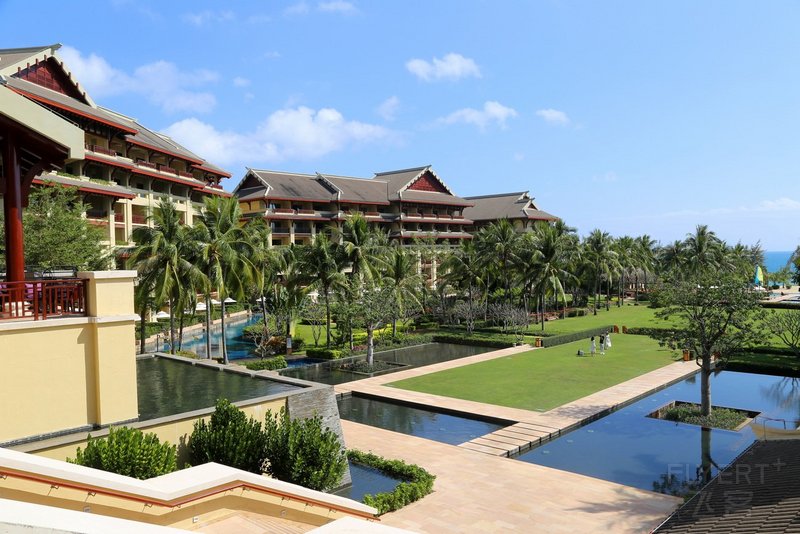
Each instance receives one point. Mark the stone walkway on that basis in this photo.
(476, 492)
(525, 428)
(479, 490)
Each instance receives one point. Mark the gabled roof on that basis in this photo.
(66, 103)
(758, 492)
(285, 185)
(10, 58)
(14, 59)
(517, 205)
(359, 190)
(401, 182)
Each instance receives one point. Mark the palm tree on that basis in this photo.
(223, 254)
(465, 270)
(161, 259)
(357, 244)
(625, 248)
(645, 259)
(318, 264)
(672, 259)
(552, 241)
(269, 262)
(400, 277)
(703, 250)
(499, 241)
(602, 259)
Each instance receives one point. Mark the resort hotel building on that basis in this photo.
(408, 205)
(126, 168)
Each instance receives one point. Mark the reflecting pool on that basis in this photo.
(630, 448)
(169, 387)
(417, 356)
(418, 422)
(367, 480)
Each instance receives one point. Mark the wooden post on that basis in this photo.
(12, 203)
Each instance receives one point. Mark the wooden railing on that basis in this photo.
(42, 299)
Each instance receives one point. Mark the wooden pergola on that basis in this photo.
(32, 140)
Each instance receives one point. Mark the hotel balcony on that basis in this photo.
(43, 298)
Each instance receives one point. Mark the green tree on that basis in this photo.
(303, 451)
(161, 257)
(223, 253)
(399, 274)
(625, 248)
(498, 243)
(785, 325)
(357, 244)
(57, 234)
(714, 315)
(600, 256)
(318, 264)
(464, 270)
(552, 241)
(229, 438)
(130, 452)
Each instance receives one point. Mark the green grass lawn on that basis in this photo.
(627, 315)
(546, 378)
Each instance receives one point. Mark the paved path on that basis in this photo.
(526, 428)
(477, 492)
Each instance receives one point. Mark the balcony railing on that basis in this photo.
(166, 168)
(147, 164)
(42, 299)
(183, 174)
(119, 217)
(139, 219)
(101, 150)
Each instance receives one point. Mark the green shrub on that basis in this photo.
(228, 438)
(130, 452)
(724, 418)
(781, 305)
(648, 331)
(187, 354)
(267, 364)
(416, 484)
(325, 354)
(303, 451)
(479, 340)
(553, 341)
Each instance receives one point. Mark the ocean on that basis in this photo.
(776, 259)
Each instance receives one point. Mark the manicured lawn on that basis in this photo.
(628, 315)
(545, 378)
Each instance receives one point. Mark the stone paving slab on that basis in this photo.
(478, 492)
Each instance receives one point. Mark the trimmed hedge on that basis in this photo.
(648, 331)
(267, 364)
(417, 482)
(575, 336)
(325, 354)
(479, 340)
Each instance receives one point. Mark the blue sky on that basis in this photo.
(633, 117)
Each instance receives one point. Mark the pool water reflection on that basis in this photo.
(630, 448)
(418, 422)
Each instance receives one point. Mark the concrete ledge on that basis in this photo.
(107, 275)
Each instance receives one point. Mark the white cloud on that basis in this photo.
(300, 8)
(160, 82)
(272, 54)
(451, 67)
(492, 113)
(289, 133)
(241, 82)
(337, 6)
(779, 204)
(553, 116)
(388, 108)
(207, 16)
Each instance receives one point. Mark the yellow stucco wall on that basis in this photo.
(67, 373)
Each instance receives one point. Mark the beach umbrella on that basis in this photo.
(215, 302)
(758, 278)
(162, 315)
(201, 306)
(229, 301)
